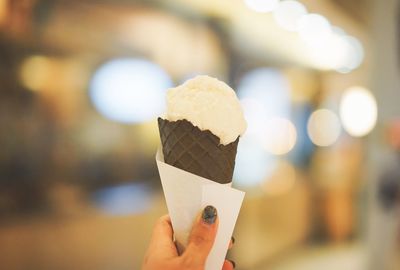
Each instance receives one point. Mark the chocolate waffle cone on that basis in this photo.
(187, 147)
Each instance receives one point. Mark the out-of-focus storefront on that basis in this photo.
(82, 83)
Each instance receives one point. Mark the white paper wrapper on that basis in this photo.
(186, 195)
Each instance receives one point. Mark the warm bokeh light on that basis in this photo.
(336, 50)
(3, 11)
(129, 90)
(314, 29)
(282, 179)
(262, 5)
(280, 137)
(323, 127)
(358, 111)
(393, 133)
(288, 14)
(35, 72)
(330, 54)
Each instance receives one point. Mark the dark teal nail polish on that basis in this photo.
(209, 214)
(233, 263)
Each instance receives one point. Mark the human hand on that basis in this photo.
(162, 253)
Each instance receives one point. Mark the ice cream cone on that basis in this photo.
(199, 134)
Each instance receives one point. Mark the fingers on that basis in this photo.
(228, 265)
(162, 238)
(231, 242)
(201, 239)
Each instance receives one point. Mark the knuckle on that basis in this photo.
(198, 240)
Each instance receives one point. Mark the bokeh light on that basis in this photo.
(3, 11)
(129, 90)
(252, 164)
(323, 127)
(134, 198)
(288, 14)
(354, 55)
(335, 50)
(330, 54)
(338, 30)
(35, 72)
(264, 93)
(262, 5)
(282, 179)
(314, 29)
(280, 137)
(358, 111)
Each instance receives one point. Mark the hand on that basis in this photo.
(162, 253)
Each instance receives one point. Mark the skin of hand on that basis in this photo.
(162, 252)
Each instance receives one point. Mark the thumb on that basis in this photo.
(201, 239)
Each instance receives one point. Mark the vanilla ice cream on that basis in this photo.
(209, 104)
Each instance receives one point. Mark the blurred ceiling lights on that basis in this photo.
(323, 127)
(262, 5)
(195, 46)
(330, 47)
(129, 90)
(314, 29)
(358, 111)
(288, 14)
(326, 48)
(354, 54)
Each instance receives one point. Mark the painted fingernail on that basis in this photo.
(233, 263)
(233, 240)
(209, 214)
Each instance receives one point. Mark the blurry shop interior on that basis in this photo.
(83, 81)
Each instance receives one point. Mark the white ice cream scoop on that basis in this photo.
(209, 104)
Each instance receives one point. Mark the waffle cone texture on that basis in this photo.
(187, 147)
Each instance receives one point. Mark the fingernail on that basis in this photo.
(233, 240)
(209, 214)
(233, 263)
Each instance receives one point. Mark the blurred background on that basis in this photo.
(82, 82)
